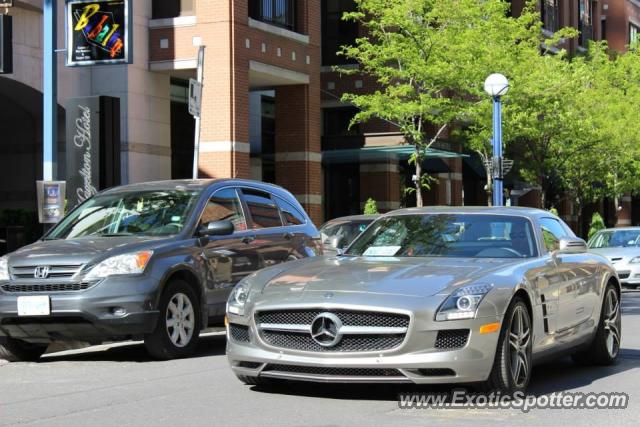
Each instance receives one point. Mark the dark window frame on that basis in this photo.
(633, 27)
(295, 209)
(251, 225)
(550, 15)
(266, 11)
(544, 229)
(243, 210)
(167, 9)
(331, 42)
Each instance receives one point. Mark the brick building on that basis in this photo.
(271, 108)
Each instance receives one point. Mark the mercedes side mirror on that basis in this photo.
(217, 228)
(572, 245)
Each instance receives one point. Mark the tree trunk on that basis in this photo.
(418, 183)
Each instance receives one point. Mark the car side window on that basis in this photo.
(552, 231)
(290, 214)
(263, 210)
(225, 204)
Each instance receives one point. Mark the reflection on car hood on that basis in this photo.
(421, 277)
(75, 251)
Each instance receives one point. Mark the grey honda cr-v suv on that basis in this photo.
(154, 261)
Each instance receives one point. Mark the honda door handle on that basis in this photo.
(248, 239)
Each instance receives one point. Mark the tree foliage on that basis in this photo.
(428, 57)
(566, 120)
(597, 223)
(370, 207)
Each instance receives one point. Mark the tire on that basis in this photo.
(178, 328)
(605, 347)
(20, 351)
(511, 370)
(254, 380)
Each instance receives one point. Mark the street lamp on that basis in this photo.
(496, 86)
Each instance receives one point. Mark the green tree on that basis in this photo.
(430, 58)
(565, 119)
(370, 207)
(612, 103)
(597, 223)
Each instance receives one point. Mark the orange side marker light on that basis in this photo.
(490, 327)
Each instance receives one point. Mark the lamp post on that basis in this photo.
(496, 86)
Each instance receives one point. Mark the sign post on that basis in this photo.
(49, 89)
(195, 97)
(197, 92)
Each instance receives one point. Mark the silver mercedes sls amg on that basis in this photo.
(430, 295)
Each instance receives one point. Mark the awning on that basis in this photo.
(400, 152)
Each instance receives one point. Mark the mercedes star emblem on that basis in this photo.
(325, 329)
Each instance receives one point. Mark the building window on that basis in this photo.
(633, 33)
(336, 32)
(585, 22)
(281, 13)
(603, 29)
(550, 15)
(336, 121)
(162, 9)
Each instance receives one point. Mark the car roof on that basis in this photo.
(354, 218)
(194, 184)
(496, 210)
(621, 229)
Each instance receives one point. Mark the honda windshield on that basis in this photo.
(140, 213)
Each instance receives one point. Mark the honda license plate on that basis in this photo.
(39, 305)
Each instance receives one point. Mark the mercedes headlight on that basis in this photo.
(132, 263)
(463, 303)
(238, 299)
(4, 268)
(635, 260)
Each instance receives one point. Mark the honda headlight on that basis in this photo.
(463, 303)
(4, 268)
(238, 299)
(132, 263)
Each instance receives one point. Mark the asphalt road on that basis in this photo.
(120, 385)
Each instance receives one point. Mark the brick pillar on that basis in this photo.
(448, 186)
(381, 182)
(224, 136)
(624, 214)
(298, 149)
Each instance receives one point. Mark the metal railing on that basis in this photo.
(281, 13)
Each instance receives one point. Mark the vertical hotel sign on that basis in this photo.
(98, 32)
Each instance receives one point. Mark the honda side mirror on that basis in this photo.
(217, 228)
